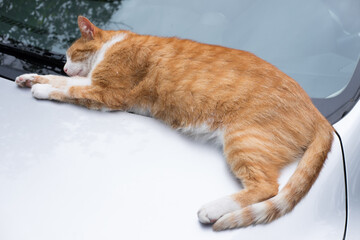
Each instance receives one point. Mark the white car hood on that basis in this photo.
(70, 173)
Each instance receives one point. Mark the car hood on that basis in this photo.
(71, 173)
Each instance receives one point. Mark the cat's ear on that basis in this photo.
(87, 29)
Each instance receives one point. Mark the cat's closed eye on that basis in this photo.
(78, 55)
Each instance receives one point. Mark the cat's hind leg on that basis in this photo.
(253, 159)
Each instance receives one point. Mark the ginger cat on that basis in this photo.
(261, 117)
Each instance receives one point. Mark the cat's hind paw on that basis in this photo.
(212, 211)
(42, 91)
(26, 80)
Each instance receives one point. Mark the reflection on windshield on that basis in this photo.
(50, 24)
(317, 43)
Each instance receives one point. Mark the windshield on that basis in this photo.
(317, 43)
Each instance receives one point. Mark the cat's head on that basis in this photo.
(81, 55)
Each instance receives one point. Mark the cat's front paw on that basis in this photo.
(212, 211)
(41, 91)
(26, 80)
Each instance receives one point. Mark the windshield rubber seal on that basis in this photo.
(335, 108)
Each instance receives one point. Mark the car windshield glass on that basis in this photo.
(317, 43)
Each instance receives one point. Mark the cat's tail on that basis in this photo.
(296, 188)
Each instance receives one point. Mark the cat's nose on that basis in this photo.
(65, 69)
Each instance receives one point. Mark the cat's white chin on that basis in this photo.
(80, 73)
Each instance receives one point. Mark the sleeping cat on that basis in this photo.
(262, 119)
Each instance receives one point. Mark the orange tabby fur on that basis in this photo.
(266, 118)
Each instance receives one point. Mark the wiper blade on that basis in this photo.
(32, 54)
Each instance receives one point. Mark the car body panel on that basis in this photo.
(70, 173)
(349, 129)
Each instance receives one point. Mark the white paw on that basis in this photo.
(212, 211)
(25, 80)
(41, 91)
